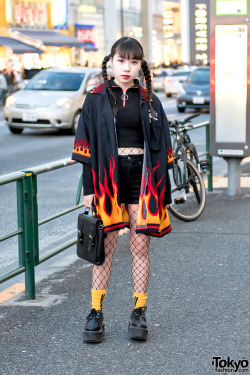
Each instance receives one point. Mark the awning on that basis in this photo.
(52, 38)
(18, 47)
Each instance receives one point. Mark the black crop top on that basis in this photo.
(128, 126)
(128, 120)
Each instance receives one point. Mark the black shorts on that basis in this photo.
(130, 172)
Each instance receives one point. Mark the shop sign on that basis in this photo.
(31, 14)
(199, 31)
(229, 7)
(59, 14)
(85, 33)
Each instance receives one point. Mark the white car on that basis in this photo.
(158, 77)
(51, 100)
(173, 83)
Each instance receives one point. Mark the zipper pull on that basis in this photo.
(124, 97)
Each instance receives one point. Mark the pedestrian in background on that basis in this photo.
(3, 88)
(123, 142)
(10, 78)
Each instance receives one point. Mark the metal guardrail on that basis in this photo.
(27, 221)
(27, 217)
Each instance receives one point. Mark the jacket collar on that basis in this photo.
(113, 84)
(101, 89)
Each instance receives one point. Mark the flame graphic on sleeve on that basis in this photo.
(82, 147)
(106, 202)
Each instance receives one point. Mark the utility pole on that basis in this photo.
(147, 27)
(110, 24)
(122, 19)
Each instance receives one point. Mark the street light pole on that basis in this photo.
(122, 21)
(147, 27)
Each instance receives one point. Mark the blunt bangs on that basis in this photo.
(130, 49)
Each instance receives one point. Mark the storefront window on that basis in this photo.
(172, 31)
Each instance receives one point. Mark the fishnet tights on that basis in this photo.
(101, 274)
(130, 151)
(139, 247)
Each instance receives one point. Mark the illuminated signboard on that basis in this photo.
(59, 14)
(231, 82)
(230, 79)
(85, 33)
(32, 13)
(229, 7)
(199, 31)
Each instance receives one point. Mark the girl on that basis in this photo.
(124, 144)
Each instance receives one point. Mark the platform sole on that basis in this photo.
(94, 337)
(137, 333)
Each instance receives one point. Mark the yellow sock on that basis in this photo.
(98, 298)
(139, 300)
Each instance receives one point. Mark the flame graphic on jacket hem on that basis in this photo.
(106, 203)
(152, 217)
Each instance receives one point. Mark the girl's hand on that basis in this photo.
(88, 200)
(167, 206)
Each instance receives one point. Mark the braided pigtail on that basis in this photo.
(107, 84)
(148, 80)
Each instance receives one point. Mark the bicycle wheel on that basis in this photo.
(188, 202)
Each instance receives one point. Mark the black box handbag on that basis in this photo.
(90, 239)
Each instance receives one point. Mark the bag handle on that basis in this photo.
(93, 209)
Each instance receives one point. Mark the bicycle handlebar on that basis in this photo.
(177, 123)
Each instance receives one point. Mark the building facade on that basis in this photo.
(170, 31)
(42, 24)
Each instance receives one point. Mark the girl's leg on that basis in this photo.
(139, 246)
(94, 329)
(101, 274)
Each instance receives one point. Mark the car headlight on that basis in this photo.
(10, 102)
(63, 103)
(181, 91)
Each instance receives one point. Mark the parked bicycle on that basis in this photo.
(188, 189)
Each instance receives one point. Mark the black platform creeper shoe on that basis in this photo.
(138, 328)
(94, 330)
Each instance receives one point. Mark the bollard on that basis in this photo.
(234, 174)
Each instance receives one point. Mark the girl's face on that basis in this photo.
(125, 70)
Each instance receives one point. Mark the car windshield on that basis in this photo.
(181, 74)
(159, 74)
(56, 81)
(200, 76)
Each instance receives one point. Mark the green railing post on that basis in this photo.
(29, 236)
(20, 221)
(79, 190)
(35, 218)
(210, 159)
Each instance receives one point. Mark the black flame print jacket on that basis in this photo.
(96, 144)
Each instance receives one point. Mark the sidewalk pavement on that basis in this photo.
(198, 305)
